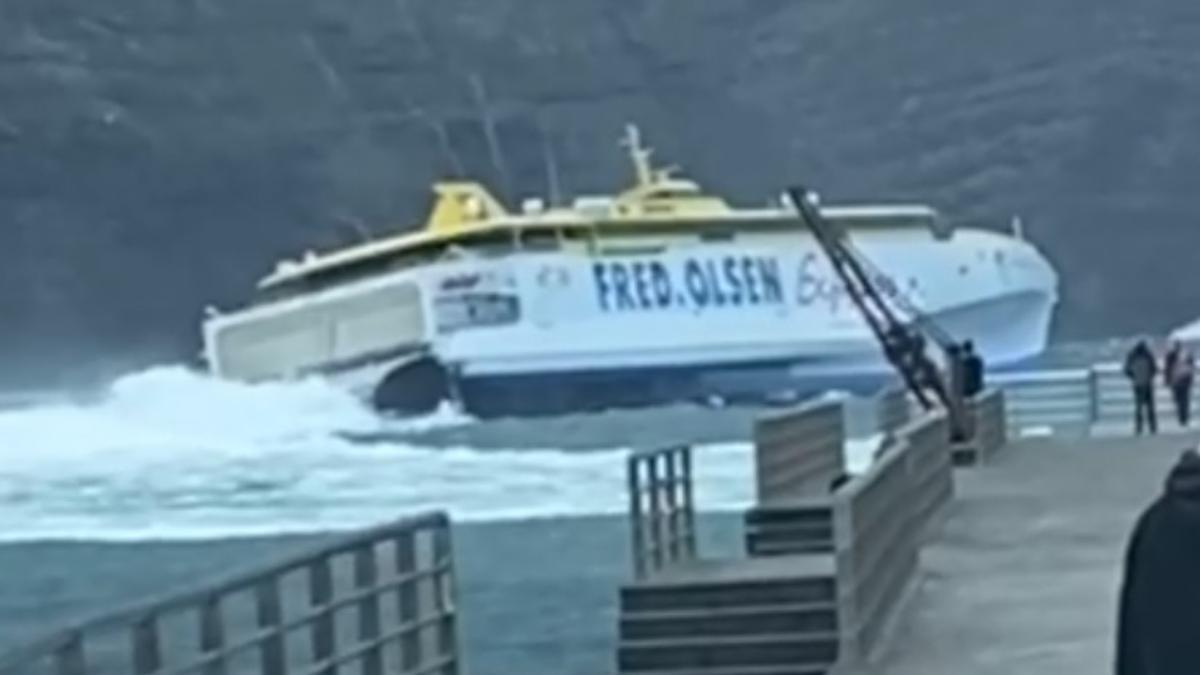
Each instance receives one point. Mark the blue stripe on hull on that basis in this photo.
(564, 393)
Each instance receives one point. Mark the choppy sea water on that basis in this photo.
(167, 476)
(168, 453)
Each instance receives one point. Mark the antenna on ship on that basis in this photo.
(551, 161)
(488, 122)
(1018, 228)
(639, 154)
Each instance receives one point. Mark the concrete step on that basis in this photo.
(647, 597)
(775, 619)
(783, 529)
(816, 510)
(698, 653)
(817, 516)
(740, 670)
(788, 540)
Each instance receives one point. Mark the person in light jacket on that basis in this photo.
(1178, 369)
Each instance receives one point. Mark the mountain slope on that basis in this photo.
(157, 156)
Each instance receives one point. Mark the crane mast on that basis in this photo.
(902, 342)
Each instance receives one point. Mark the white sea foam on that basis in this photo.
(169, 454)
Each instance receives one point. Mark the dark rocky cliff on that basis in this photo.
(158, 155)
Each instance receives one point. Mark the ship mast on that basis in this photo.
(638, 154)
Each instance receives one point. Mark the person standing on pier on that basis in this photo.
(973, 370)
(1178, 369)
(1158, 614)
(1140, 368)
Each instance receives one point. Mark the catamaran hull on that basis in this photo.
(1009, 330)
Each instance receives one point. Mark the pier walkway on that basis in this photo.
(1025, 574)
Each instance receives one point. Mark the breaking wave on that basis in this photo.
(169, 453)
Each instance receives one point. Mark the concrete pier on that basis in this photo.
(1025, 574)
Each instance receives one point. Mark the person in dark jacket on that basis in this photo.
(1158, 618)
(1178, 369)
(1140, 368)
(972, 370)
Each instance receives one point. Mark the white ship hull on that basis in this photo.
(547, 332)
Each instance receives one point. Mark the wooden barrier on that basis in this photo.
(930, 470)
(798, 452)
(662, 513)
(881, 519)
(991, 430)
(986, 414)
(379, 601)
(876, 548)
(893, 409)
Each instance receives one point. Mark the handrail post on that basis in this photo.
(444, 584)
(69, 658)
(652, 484)
(212, 634)
(687, 503)
(320, 585)
(366, 578)
(1093, 386)
(674, 537)
(269, 610)
(147, 655)
(636, 524)
(408, 599)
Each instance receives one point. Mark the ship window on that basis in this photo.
(475, 310)
(673, 194)
(577, 235)
(539, 240)
(485, 243)
(653, 249)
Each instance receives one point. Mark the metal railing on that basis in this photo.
(662, 513)
(378, 601)
(1060, 401)
(1073, 402)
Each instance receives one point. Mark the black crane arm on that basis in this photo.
(898, 340)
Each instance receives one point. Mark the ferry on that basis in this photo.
(659, 293)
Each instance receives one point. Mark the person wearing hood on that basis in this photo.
(1140, 368)
(1158, 621)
